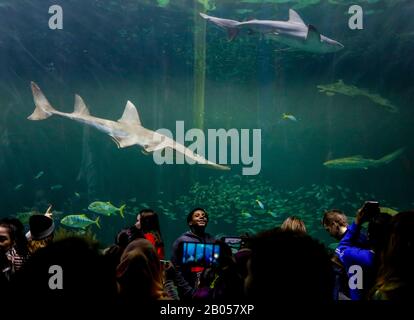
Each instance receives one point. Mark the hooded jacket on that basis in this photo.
(185, 278)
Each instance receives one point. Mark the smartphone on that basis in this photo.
(234, 243)
(371, 209)
(200, 254)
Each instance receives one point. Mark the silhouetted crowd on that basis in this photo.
(373, 261)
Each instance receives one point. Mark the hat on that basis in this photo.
(40, 227)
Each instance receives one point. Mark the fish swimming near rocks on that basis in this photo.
(359, 162)
(125, 132)
(293, 32)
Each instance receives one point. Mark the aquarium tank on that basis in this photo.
(255, 110)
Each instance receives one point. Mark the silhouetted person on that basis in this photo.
(287, 266)
(42, 230)
(222, 281)
(395, 280)
(139, 274)
(86, 276)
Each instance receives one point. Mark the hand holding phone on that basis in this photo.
(368, 211)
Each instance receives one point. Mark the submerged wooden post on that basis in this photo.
(199, 65)
(199, 74)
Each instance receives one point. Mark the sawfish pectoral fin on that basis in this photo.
(155, 148)
(313, 34)
(123, 142)
(232, 33)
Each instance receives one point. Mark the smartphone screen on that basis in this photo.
(200, 254)
(371, 208)
(234, 243)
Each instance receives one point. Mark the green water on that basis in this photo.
(109, 52)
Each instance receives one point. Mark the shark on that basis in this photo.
(352, 91)
(293, 32)
(359, 162)
(125, 132)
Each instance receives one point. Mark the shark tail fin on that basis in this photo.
(43, 108)
(390, 157)
(121, 210)
(97, 223)
(230, 25)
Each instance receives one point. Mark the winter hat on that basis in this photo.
(40, 227)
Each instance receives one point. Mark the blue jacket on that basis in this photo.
(350, 252)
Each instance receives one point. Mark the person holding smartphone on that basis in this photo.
(350, 252)
(187, 276)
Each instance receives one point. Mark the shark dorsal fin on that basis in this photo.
(80, 106)
(295, 17)
(313, 34)
(130, 115)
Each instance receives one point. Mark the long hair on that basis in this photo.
(139, 273)
(294, 224)
(35, 245)
(395, 274)
(150, 224)
(149, 221)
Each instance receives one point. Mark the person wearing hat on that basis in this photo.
(186, 278)
(41, 232)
